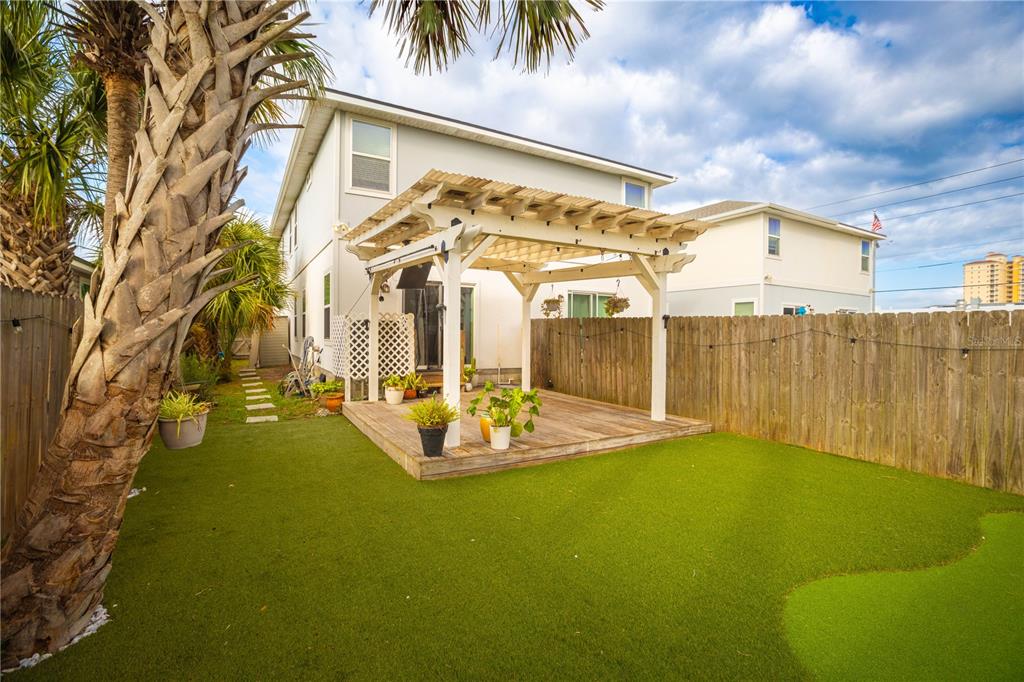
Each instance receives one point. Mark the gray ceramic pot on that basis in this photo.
(190, 434)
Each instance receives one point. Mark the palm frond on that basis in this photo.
(431, 33)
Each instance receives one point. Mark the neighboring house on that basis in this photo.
(995, 279)
(766, 259)
(82, 270)
(354, 154)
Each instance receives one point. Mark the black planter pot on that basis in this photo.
(432, 439)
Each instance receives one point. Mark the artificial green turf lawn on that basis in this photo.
(298, 550)
(962, 621)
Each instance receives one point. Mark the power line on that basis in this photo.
(928, 196)
(947, 208)
(915, 184)
(951, 286)
(959, 246)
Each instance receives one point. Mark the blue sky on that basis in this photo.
(798, 104)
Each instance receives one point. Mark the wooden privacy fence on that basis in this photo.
(937, 393)
(34, 365)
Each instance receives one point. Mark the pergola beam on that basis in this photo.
(417, 209)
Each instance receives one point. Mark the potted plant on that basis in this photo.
(504, 411)
(414, 383)
(394, 389)
(468, 372)
(475, 411)
(615, 304)
(328, 393)
(552, 307)
(182, 420)
(432, 418)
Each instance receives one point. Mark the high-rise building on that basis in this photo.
(995, 279)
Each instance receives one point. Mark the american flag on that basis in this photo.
(876, 224)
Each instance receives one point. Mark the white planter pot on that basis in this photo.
(468, 387)
(189, 435)
(394, 396)
(500, 437)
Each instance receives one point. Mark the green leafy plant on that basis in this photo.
(469, 371)
(394, 381)
(414, 382)
(197, 370)
(433, 413)
(321, 387)
(552, 307)
(615, 304)
(180, 406)
(505, 408)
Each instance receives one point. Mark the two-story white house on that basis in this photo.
(766, 259)
(354, 154)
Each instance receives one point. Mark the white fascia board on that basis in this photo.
(442, 124)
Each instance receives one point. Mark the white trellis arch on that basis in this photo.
(350, 342)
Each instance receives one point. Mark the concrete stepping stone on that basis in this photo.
(252, 383)
(257, 420)
(256, 390)
(258, 396)
(261, 406)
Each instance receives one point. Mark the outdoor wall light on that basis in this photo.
(16, 323)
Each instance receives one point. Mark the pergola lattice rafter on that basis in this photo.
(459, 222)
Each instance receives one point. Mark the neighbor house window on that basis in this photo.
(327, 306)
(865, 255)
(634, 194)
(372, 147)
(587, 304)
(295, 318)
(743, 308)
(774, 237)
(790, 309)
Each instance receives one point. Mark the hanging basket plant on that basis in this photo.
(552, 307)
(615, 304)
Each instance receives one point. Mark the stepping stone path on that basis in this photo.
(255, 390)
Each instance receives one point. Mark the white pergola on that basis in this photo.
(459, 222)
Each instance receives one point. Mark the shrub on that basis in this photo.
(432, 413)
(321, 387)
(196, 370)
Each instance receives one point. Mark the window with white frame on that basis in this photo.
(295, 318)
(865, 255)
(743, 308)
(303, 304)
(587, 304)
(327, 305)
(634, 194)
(774, 237)
(372, 159)
(294, 234)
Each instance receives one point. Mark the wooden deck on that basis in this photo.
(568, 427)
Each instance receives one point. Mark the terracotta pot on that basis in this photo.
(189, 435)
(485, 429)
(410, 393)
(501, 436)
(333, 401)
(394, 396)
(432, 440)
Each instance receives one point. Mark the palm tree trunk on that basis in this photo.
(205, 59)
(123, 103)
(32, 257)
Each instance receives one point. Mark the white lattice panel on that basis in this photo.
(350, 340)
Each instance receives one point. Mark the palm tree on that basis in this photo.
(50, 141)
(212, 68)
(431, 34)
(249, 307)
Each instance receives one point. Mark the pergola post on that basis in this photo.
(451, 351)
(659, 344)
(373, 346)
(529, 293)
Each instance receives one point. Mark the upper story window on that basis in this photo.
(865, 255)
(372, 160)
(774, 237)
(635, 194)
